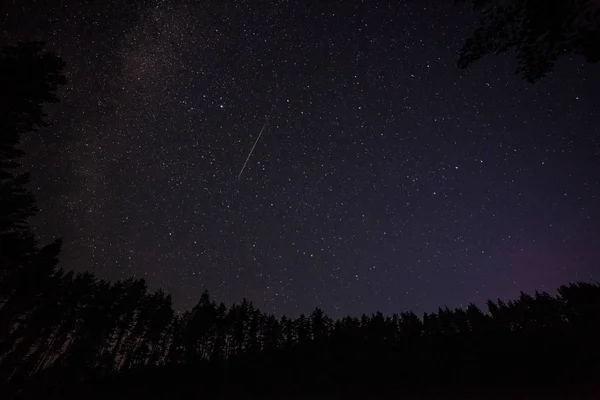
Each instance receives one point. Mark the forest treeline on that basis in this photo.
(77, 326)
(60, 330)
(73, 328)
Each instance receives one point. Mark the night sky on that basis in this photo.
(386, 178)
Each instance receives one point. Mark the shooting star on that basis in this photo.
(251, 150)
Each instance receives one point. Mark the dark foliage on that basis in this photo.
(29, 78)
(90, 338)
(539, 31)
(65, 335)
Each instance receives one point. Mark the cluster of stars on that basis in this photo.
(387, 178)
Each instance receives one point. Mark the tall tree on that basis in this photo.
(321, 325)
(219, 351)
(130, 295)
(199, 329)
(29, 78)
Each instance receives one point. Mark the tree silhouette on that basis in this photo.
(29, 77)
(131, 293)
(539, 31)
(219, 350)
(87, 328)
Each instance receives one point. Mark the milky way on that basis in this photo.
(388, 179)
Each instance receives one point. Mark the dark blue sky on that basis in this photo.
(387, 178)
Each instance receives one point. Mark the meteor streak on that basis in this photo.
(251, 150)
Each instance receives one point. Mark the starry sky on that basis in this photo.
(386, 178)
